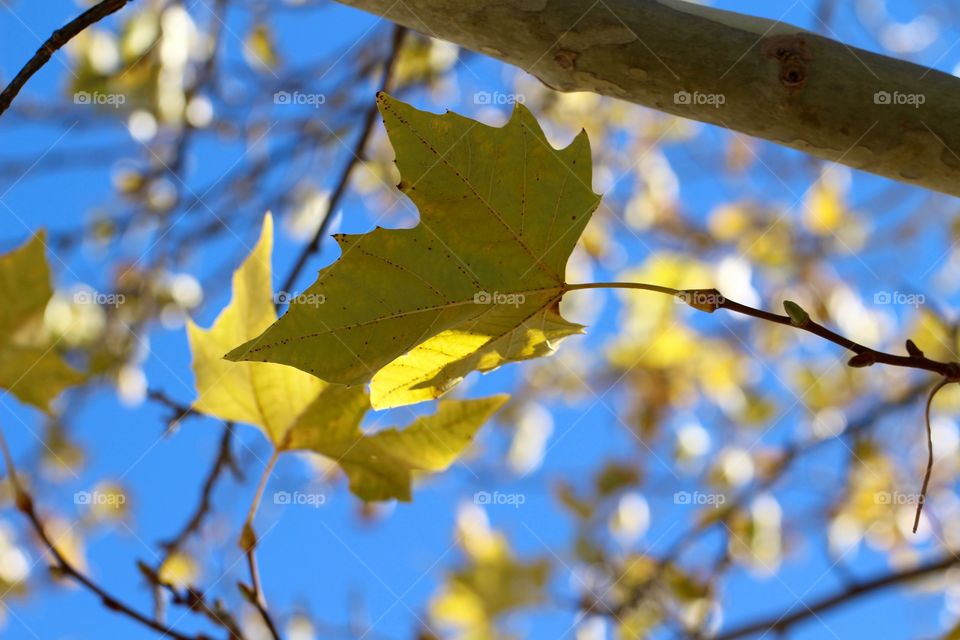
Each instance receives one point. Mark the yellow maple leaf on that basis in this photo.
(298, 411)
(475, 285)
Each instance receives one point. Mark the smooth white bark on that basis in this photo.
(777, 82)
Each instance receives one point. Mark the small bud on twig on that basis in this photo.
(248, 539)
(708, 300)
(148, 572)
(798, 317)
(23, 500)
(247, 592)
(862, 360)
(913, 349)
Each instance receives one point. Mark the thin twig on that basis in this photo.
(792, 454)
(191, 598)
(56, 40)
(355, 156)
(710, 300)
(196, 601)
(180, 411)
(204, 76)
(926, 477)
(221, 463)
(782, 623)
(25, 504)
(248, 542)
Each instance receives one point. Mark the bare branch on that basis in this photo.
(781, 623)
(248, 542)
(24, 503)
(926, 476)
(56, 40)
(355, 155)
(221, 463)
(710, 300)
(180, 411)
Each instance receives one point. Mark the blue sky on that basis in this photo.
(318, 559)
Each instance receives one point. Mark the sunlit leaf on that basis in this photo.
(381, 466)
(270, 397)
(475, 285)
(298, 411)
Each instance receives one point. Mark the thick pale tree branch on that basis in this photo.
(763, 78)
